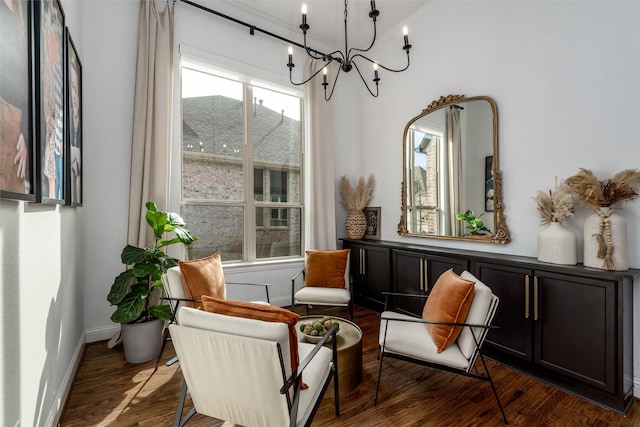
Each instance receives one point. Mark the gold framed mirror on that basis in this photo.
(451, 181)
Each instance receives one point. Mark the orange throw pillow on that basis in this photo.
(267, 313)
(326, 268)
(449, 301)
(203, 277)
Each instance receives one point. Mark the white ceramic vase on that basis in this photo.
(610, 253)
(557, 245)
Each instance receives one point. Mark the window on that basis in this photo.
(424, 194)
(241, 165)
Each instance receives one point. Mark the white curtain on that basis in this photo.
(151, 140)
(454, 141)
(320, 201)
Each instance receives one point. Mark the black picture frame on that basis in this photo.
(373, 215)
(73, 112)
(18, 177)
(51, 62)
(488, 184)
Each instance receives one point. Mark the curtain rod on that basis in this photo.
(252, 28)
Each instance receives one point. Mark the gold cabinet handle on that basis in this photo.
(535, 298)
(362, 261)
(526, 296)
(425, 276)
(421, 273)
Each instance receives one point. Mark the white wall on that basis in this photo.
(41, 297)
(109, 72)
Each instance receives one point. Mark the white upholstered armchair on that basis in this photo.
(443, 338)
(238, 369)
(204, 276)
(325, 280)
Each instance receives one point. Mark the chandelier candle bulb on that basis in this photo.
(405, 33)
(375, 72)
(290, 64)
(303, 9)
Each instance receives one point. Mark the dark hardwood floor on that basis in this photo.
(108, 391)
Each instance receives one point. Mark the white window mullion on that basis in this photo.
(250, 211)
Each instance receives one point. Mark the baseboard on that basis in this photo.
(280, 302)
(103, 333)
(63, 393)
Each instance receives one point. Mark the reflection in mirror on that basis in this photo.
(451, 181)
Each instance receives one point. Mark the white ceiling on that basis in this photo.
(325, 17)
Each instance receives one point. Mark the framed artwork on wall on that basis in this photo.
(373, 222)
(50, 35)
(488, 184)
(73, 112)
(17, 155)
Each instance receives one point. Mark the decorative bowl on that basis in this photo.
(321, 320)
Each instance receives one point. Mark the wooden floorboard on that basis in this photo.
(108, 391)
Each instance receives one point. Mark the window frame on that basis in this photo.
(249, 164)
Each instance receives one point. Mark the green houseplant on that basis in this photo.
(133, 289)
(474, 223)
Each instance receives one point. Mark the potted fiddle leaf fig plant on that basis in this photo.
(136, 290)
(475, 224)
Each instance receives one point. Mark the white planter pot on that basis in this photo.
(142, 341)
(557, 245)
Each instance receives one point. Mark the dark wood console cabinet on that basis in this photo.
(370, 267)
(570, 326)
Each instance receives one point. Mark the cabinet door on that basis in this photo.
(513, 286)
(408, 278)
(416, 273)
(370, 272)
(436, 265)
(575, 327)
(377, 276)
(356, 261)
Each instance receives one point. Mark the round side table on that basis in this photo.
(349, 348)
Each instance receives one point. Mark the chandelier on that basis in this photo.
(346, 59)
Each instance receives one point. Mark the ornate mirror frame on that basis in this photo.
(500, 234)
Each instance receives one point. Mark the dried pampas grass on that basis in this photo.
(356, 199)
(555, 206)
(607, 192)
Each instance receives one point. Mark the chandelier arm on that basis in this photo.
(375, 95)
(334, 56)
(370, 46)
(380, 65)
(335, 81)
(311, 77)
(309, 51)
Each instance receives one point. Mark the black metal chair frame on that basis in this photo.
(477, 352)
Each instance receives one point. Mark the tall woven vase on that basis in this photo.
(356, 224)
(605, 240)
